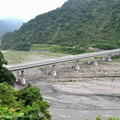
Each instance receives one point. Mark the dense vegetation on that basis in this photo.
(26, 104)
(58, 48)
(78, 22)
(5, 74)
(110, 118)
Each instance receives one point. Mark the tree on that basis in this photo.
(78, 22)
(33, 104)
(25, 104)
(2, 60)
(5, 74)
(15, 106)
(22, 46)
(7, 95)
(9, 106)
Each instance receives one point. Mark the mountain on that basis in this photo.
(87, 23)
(9, 25)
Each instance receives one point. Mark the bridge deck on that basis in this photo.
(65, 59)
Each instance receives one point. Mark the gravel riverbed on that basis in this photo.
(80, 95)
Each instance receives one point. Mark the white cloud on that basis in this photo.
(27, 9)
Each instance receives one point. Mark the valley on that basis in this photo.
(75, 95)
(77, 88)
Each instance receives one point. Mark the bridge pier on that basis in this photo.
(77, 67)
(21, 78)
(18, 76)
(95, 61)
(103, 58)
(23, 81)
(47, 70)
(109, 58)
(54, 73)
(89, 60)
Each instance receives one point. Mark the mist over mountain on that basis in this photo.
(9, 25)
(87, 23)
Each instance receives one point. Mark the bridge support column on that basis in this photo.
(89, 60)
(47, 70)
(20, 77)
(23, 81)
(95, 61)
(109, 58)
(77, 67)
(54, 73)
(103, 58)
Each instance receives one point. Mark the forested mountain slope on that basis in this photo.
(9, 25)
(77, 22)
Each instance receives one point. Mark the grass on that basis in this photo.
(117, 59)
(57, 49)
(51, 48)
(44, 46)
(17, 57)
(110, 118)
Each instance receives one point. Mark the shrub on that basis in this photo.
(22, 46)
(7, 95)
(69, 50)
(7, 76)
(29, 95)
(14, 106)
(2, 60)
(9, 113)
(106, 46)
(98, 117)
(34, 108)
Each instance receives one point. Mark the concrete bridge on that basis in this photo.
(106, 56)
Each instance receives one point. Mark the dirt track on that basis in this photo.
(80, 95)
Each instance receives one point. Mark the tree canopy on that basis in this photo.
(25, 104)
(5, 74)
(77, 22)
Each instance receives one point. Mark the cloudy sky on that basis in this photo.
(27, 9)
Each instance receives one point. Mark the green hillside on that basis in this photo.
(9, 25)
(83, 23)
